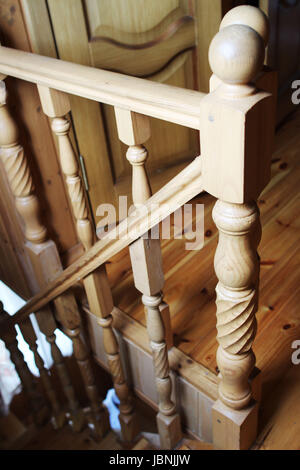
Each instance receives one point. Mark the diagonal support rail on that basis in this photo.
(179, 190)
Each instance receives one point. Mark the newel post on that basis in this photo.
(236, 141)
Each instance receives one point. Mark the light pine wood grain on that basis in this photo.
(56, 105)
(146, 261)
(154, 99)
(178, 191)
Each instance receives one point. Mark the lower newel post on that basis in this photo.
(237, 268)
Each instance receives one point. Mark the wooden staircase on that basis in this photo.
(236, 123)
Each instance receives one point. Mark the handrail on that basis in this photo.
(169, 103)
(180, 189)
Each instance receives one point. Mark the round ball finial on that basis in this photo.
(236, 54)
(248, 16)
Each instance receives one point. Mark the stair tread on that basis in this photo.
(143, 444)
(194, 444)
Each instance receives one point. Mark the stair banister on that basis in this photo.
(180, 189)
(46, 264)
(146, 262)
(236, 124)
(56, 105)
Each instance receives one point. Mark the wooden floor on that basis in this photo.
(190, 278)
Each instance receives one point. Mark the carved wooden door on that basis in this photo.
(151, 39)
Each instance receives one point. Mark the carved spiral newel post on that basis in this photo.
(56, 105)
(146, 261)
(236, 140)
(237, 268)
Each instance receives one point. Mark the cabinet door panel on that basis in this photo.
(149, 39)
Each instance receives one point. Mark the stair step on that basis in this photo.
(194, 444)
(143, 444)
(13, 433)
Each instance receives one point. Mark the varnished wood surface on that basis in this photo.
(175, 194)
(193, 309)
(157, 100)
(279, 415)
(190, 278)
(66, 439)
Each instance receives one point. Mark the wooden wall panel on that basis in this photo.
(192, 403)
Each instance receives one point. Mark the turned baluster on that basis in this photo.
(56, 105)
(69, 317)
(37, 402)
(146, 261)
(59, 417)
(18, 174)
(41, 252)
(236, 137)
(48, 327)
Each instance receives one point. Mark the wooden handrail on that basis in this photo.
(180, 189)
(169, 103)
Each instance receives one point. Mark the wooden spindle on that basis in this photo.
(146, 261)
(59, 417)
(38, 406)
(42, 252)
(18, 174)
(77, 416)
(56, 106)
(71, 322)
(47, 325)
(236, 137)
